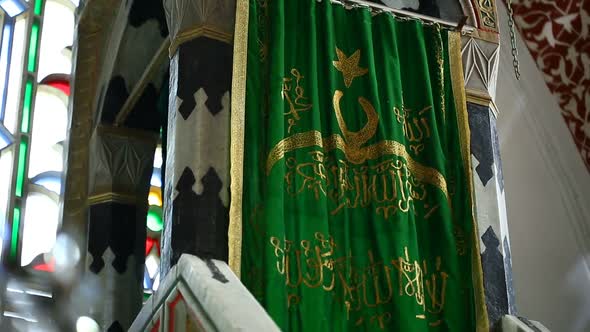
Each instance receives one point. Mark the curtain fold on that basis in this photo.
(355, 209)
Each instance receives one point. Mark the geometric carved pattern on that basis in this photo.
(120, 161)
(480, 63)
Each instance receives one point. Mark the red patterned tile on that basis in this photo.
(557, 35)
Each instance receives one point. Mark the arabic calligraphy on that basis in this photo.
(315, 264)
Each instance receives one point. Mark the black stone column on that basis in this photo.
(491, 213)
(121, 166)
(196, 196)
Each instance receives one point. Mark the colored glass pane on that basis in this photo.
(39, 227)
(38, 7)
(47, 267)
(158, 158)
(57, 36)
(5, 179)
(13, 93)
(154, 219)
(27, 102)
(4, 55)
(156, 179)
(61, 85)
(33, 46)
(5, 138)
(15, 232)
(149, 245)
(50, 180)
(13, 8)
(49, 130)
(155, 197)
(152, 263)
(22, 164)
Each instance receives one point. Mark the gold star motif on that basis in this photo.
(349, 66)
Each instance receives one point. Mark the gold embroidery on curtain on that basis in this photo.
(441, 71)
(296, 98)
(315, 263)
(238, 107)
(332, 142)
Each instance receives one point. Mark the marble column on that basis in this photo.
(480, 53)
(196, 195)
(121, 162)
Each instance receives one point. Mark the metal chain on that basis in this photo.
(515, 63)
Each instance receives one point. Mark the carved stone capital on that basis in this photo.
(121, 161)
(189, 19)
(480, 67)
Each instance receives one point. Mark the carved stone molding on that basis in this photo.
(480, 66)
(188, 19)
(487, 14)
(121, 161)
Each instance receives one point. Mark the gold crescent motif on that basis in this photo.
(350, 145)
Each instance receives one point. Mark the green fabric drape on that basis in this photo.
(356, 207)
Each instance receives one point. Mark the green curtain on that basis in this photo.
(356, 202)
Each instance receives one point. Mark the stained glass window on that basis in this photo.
(35, 67)
(154, 225)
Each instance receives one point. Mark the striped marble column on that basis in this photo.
(480, 61)
(196, 195)
(121, 161)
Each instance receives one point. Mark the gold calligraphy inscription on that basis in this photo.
(295, 98)
(415, 126)
(315, 264)
(388, 186)
(352, 144)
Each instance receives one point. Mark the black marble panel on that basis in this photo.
(118, 227)
(199, 223)
(203, 63)
(494, 277)
(481, 140)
